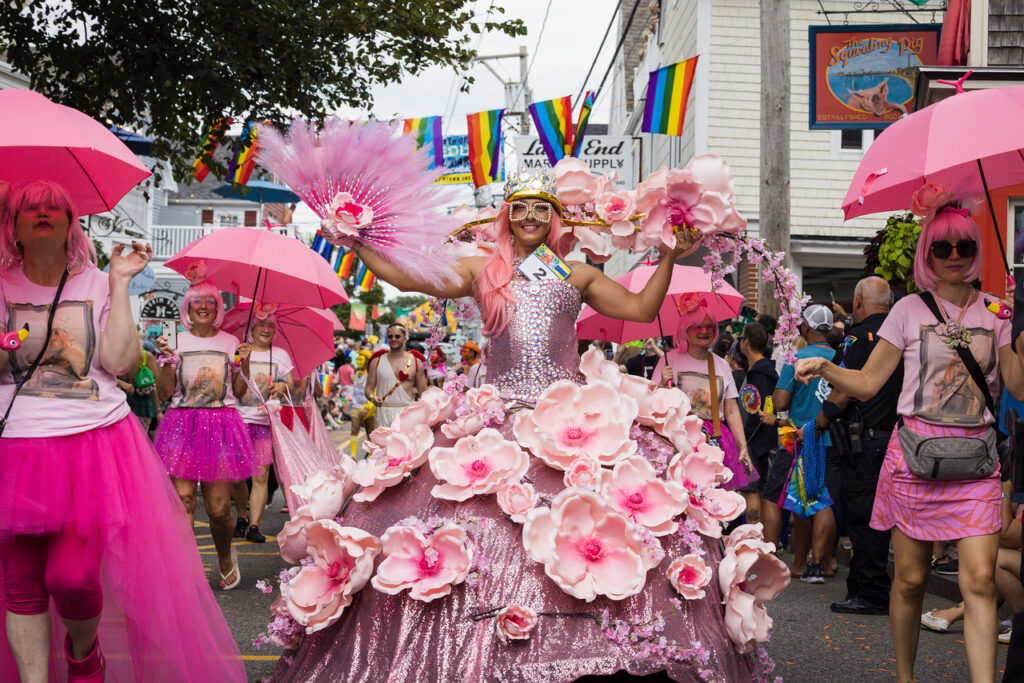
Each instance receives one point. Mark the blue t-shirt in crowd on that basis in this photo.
(807, 398)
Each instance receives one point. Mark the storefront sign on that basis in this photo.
(160, 308)
(603, 153)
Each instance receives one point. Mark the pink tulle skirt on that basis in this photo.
(727, 442)
(261, 443)
(205, 444)
(160, 621)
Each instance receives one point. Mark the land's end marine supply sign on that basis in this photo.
(603, 153)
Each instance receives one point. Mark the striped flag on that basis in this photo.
(214, 132)
(244, 162)
(322, 246)
(343, 262)
(581, 124)
(553, 119)
(428, 132)
(484, 145)
(667, 93)
(364, 278)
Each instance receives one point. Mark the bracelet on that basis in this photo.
(359, 245)
(169, 360)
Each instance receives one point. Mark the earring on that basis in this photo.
(18, 244)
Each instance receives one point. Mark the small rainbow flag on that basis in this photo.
(484, 145)
(214, 132)
(343, 263)
(364, 278)
(428, 132)
(553, 119)
(581, 124)
(322, 246)
(245, 158)
(667, 93)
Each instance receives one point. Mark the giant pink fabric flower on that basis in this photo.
(616, 209)
(515, 623)
(325, 493)
(482, 404)
(464, 426)
(393, 457)
(516, 500)
(571, 421)
(683, 429)
(584, 473)
(752, 566)
(635, 490)
(655, 406)
(593, 243)
(438, 404)
(426, 565)
(342, 564)
(345, 217)
(746, 621)
(586, 546)
(292, 541)
(700, 471)
(689, 575)
(477, 465)
(574, 181)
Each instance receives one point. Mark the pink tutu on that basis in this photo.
(727, 443)
(261, 443)
(160, 621)
(205, 444)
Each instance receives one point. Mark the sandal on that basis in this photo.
(224, 585)
(934, 623)
(939, 561)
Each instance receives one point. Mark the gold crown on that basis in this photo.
(527, 184)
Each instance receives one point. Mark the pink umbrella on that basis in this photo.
(972, 141)
(307, 334)
(42, 140)
(723, 304)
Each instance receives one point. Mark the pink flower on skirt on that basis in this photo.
(516, 500)
(292, 540)
(583, 472)
(586, 546)
(749, 575)
(439, 405)
(394, 455)
(515, 623)
(571, 421)
(342, 564)
(689, 575)
(654, 406)
(746, 621)
(324, 494)
(477, 465)
(700, 471)
(635, 490)
(426, 565)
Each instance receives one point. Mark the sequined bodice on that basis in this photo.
(538, 346)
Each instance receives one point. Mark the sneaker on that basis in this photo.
(1004, 636)
(253, 535)
(951, 568)
(241, 525)
(813, 574)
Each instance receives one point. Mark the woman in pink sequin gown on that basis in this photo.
(532, 343)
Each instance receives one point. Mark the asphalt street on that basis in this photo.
(809, 643)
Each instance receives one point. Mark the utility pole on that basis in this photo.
(775, 123)
(518, 97)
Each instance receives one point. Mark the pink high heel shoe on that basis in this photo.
(88, 670)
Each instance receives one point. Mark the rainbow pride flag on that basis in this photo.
(667, 93)
(322, 246)
(553, 119)
(214, 132)
(244, 162)
(484, 145)
(364, 278)
(428, 132)
(581, 124)
(343, 263)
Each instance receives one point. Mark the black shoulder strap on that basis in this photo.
(46, 342)
(965, 355)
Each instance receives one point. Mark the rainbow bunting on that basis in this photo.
(553, 119)
(245, 157)
(343, 263)
(214, 132)
(427, 131)
(581, 124)
(484, 145)
(364, 278)
(322, 246)
(667, 93)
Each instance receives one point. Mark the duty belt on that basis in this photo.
(876, 434)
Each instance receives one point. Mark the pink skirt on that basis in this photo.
(929, 510)
(160, 621)
(205, 444)
(261, 443)
(727, 443)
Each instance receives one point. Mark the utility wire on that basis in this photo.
(615, 13)
(449, 112)
(625, 32)
(533, 57)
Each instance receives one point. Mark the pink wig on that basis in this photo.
(688, 320)
(949, 223)
(79, 249)
(198, 291)
(493, 284)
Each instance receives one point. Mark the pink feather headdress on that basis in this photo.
(368, 184)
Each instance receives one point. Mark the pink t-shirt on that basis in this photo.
(692, 378)
(345, 374)
(70, 392)
(263, 365)
(936, 386)
(204, 371)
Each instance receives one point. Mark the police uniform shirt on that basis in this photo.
(879, 411)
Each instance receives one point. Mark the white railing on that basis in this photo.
(650, 62)
(167, 240)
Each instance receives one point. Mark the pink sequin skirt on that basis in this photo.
(261, 443)
(929, 510)
(205, 444)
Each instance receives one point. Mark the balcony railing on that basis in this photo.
(167, 240)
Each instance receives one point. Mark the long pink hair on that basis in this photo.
(492, 287)
(956, 224)
(79, 249)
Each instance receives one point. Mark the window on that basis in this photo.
(207, 218)
(851, 139)
(228, 220)
(851, 144)
(250, 219)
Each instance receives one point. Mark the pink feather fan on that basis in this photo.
(367, 184)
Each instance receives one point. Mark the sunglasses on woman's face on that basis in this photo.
(203, 301)
(518, 211)
(965, 248)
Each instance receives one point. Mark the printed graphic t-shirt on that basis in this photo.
(806, 400)
(204, 371)
(937, 387)
(691, 377)
(70, 389)
(262, 366)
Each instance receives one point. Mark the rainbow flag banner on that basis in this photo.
(322, 246)
(667, 93)
(484, 145)
(581, 124)
(214, 132)
(428, 132)
(364, 278)
(553, 119)
(343, 262)
(245, 158)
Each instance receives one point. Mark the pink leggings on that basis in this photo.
(61, 565)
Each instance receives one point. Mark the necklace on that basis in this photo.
(953, 333)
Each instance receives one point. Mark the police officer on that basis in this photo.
(860, 433)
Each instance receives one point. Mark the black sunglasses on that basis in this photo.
(965, 248)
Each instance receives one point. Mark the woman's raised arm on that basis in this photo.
(460, 285)
(861, 384)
